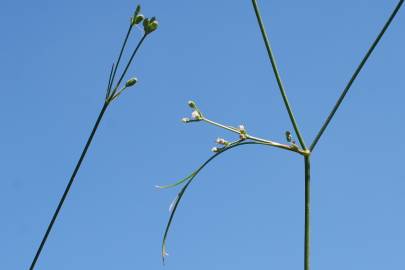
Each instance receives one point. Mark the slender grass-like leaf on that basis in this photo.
(179, 196)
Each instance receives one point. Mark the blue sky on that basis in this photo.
(245, 211)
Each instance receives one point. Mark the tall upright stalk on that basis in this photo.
(150, 25)
(307, 226)
(65, 193)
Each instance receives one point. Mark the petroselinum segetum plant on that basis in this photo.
(114, 90)
(244, 137)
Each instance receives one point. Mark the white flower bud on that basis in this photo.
(222, 141)
(242, 128)
(196, 115)
(215, 149)
(185, 120)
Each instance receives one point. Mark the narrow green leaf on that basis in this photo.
(181, 181)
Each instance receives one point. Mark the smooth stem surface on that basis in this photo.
(119, 57)
(72, 178)
(354, 76)
(129, 62)
(277, 75)
(307, 235)
(257, 139)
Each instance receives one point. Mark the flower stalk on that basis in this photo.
(246, 139)
(111, 95)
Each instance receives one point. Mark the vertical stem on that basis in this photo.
(307, 236)
(65, 193)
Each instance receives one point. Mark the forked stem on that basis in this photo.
(293, 148)
(277, 75)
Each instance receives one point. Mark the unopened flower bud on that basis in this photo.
(288, 136)
(242, 131)
(145, 24)
(137, 10)
(185, 120)
(131, 82)
(196, 115)
(215, 149)
(150, 25)
(153, 26)
(192, 105)
(222, 141)
(137, 20)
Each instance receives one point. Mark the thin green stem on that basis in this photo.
(120, 55)
(355, 74)
(257, 139)
(72, 178)
(109, 82)
(232, 129)
(307, 234)
(129, 63)
(189, 180)
(277, 75)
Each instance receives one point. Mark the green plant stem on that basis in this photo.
(72, 178)
(307, 234)
(119, 57)
(129, 63)
(355, 74)
(257, 139)
(277, 75)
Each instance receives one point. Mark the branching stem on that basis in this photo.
(257, 139)
(110, 96)
(277, 75)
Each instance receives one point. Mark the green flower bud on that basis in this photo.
(131, 82)
(150, 25)
(288, 136)
(146, 24)
(137, 10)
(153, 26)
(136, 18)
(192, 105)
(139, 18)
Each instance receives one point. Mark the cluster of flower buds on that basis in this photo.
(195, 115)
(149, 25)
(242, 132)
(220, 141)
(137, 18)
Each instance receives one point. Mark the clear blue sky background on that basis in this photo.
(245, 211)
